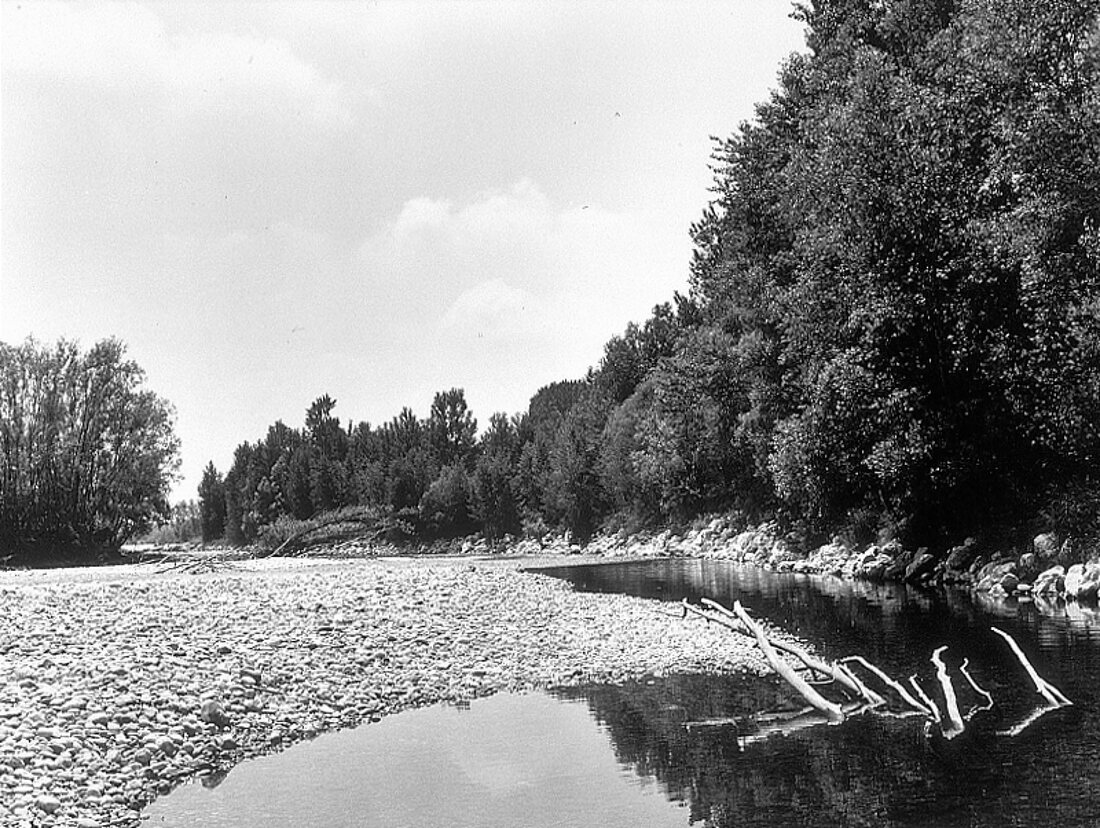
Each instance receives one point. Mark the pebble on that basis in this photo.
(118, 683)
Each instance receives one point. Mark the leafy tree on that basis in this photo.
(495, 497)
(212, 503)
(574, 492)
(328, 482)
(907, 236)
(452, 429)
(445, 507)
(87, 454)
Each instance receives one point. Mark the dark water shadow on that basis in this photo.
(870, 770)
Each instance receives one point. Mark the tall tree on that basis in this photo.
(212, 503)
(452, 428)
(906, 240)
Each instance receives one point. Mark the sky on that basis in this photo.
(267, 202)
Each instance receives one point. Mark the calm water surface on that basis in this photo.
(624, 755)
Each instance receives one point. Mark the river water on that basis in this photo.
(692, 750)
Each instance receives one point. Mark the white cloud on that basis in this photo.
(127, 47)
(510, 265)
(494, 310)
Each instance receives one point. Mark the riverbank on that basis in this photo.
(1057, 568)
(120, 682)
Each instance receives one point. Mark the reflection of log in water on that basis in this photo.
(947, 716)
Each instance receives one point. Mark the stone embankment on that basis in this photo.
(1051, 568)
(117, 683)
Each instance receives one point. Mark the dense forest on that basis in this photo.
(892, 328)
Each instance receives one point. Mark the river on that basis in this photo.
(690, 750)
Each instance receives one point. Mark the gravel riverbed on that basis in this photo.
(117, 683)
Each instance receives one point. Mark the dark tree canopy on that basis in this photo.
(87, 454)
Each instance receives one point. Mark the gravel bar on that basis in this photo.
(118, 683)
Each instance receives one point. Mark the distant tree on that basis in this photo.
(327, 472)
(212, 503)
(445, 508)
(574, 490)
(452, 428)
(495, 499)
(545, 414)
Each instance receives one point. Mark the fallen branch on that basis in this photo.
(988, 698)
(949, 718)
(1047, 690)
(950, 701)
(889, 682)
(833, 671)
(933, 711)
(832, 710)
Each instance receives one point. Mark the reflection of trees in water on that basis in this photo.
(868, 771)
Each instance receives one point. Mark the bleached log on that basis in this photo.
(951, 721)
(955, 723)
(846, 676)
(1028, 720)
(933, 711)
(832, 711)
(896, 686)
(1047, 690)
(836, 672)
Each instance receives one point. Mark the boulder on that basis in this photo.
(960, 557)
(922, 565)
(1090, 589)
(997, 573)
(1029, 565)
(1046, 546)
(874, 569)
(1083, 581)
(1050, 581)
(896, 570)
(1075, 577)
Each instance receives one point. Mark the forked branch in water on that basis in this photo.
(951, 721)
(1047, 690)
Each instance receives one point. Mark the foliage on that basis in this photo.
(183, 526)
(893, 320)
(87, 454)
(909, 232)
(211, 504)
(445, 508)
(495, 496)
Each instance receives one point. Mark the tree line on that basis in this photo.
(544, 469)
(893, 323)
(892, 328)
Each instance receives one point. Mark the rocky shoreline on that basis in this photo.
(117, 683)
(1051, 567)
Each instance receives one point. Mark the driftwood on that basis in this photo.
(373, 528)
(947, 716)
(324, 523)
